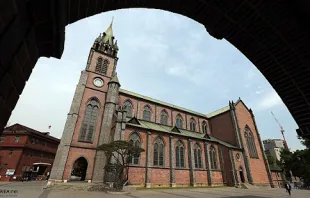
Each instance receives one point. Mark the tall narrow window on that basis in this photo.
(147, 114)
(213, 157)
(89, 122)
(158, 152)
(102, 66)
(197, 156)
(179, 155)
(99, 64)
(16, 139)
(179, 121)
(204, 127)
(164, 117)
(250, 142)
(128, 108)
(192, 124)
(1, 139)
(136, 141)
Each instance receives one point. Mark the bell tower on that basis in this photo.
(89, 120)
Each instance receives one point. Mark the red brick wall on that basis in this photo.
(257, 166)
(277, 179)
(136, 176)
(201, 176)
(10, 160)
(182, 177)
(217, 177)
(222, 128)
(160, 176)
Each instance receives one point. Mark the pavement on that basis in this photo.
(36, 189)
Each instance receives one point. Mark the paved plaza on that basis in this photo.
(35, 190)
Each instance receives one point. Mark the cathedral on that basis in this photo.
(182, 147)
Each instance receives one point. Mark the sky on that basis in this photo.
(162, 55)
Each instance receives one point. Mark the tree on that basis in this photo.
(271, 160)
(118, 154)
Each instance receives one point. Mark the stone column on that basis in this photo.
(233, 167)
(138, 110)
(208, 165)
(222, 164)
(64, 146)
(148, 161)
(172, 161)
(105, 132)
(191, 162)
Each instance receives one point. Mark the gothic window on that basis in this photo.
(158, 152)
(147, 114)
(192, 123)
(179, 121)
(128, 108)
(164, 117)
(197, 156)
(213, 157)
(204, 127)
(89, 122)
(136, 141)
(179, 155)
(102, 65)
(250, 141)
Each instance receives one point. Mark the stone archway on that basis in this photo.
(273, 35)
(79, 170)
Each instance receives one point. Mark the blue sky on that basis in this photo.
(162, 55)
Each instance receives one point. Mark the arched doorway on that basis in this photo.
(79, 170)
(242, 179)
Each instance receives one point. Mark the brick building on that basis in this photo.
(25, 152)
(182, 147)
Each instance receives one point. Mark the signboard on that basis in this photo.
(10, 172)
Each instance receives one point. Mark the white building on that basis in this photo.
(273, 147)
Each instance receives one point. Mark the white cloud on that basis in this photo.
(268, 101)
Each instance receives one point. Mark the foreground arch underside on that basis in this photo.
(274, 35)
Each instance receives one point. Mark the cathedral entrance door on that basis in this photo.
(241, 175)
(79, 169)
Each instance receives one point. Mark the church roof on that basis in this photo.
(212, 114)
(181, 132)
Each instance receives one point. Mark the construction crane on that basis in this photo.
(282, 131)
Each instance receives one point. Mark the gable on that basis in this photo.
(134, 120)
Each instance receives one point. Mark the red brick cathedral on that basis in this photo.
(182, 147)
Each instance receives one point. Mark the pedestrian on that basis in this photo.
(288, 188)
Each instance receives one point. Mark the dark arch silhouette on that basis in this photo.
(273, 35)
(79, 169)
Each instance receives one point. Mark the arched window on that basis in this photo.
(179, 121)
(164, 117)
(250, 141)
(213, 157)
(89, 122)
(179, 155)
(102, 65)
(197, 156)
(204, 127)
(158, 152)
(136, 141)
(192, 124)
(128, 107)
(99, 64)
(147, 113)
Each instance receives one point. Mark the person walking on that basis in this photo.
(288, 188)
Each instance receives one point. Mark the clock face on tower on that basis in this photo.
(98, 82)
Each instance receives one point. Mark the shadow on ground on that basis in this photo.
(244, 196)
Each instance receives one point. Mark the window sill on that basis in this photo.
(84, 141)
